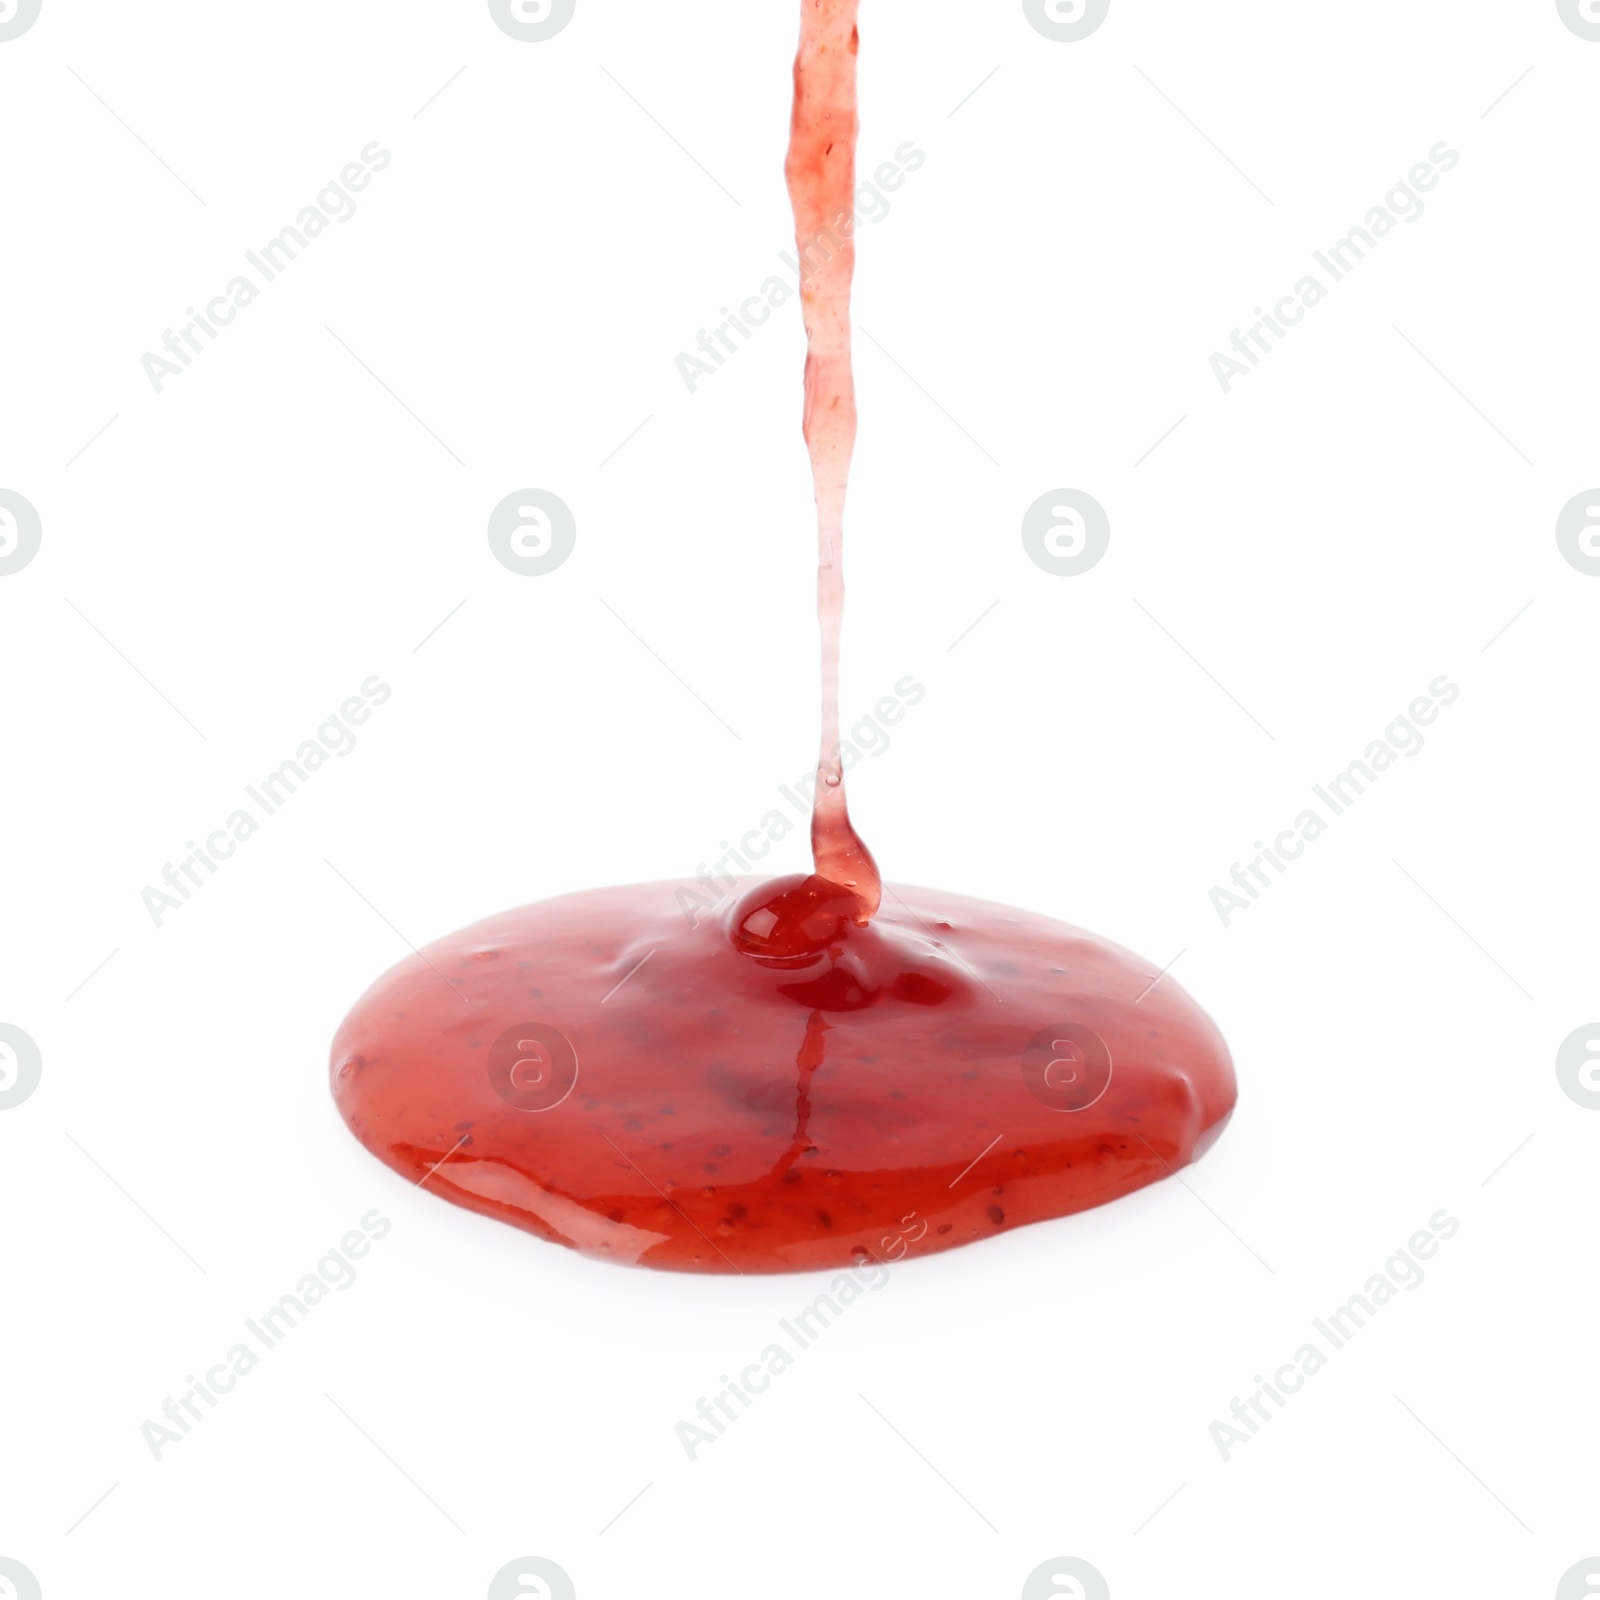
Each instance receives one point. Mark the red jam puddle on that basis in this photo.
(749, 1095)
(828, 1070)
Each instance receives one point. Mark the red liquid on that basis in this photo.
(822, 180)
(892, 1093)
(819, 1073)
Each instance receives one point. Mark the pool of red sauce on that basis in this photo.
(932, 1078)
(827, 1069)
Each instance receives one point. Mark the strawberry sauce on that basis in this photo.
(827, 1069)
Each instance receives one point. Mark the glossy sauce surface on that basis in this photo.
(596, 1071)
(828, 1069)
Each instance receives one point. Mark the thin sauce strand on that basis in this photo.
(821, 173)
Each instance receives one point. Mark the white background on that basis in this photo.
(1326, 540)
